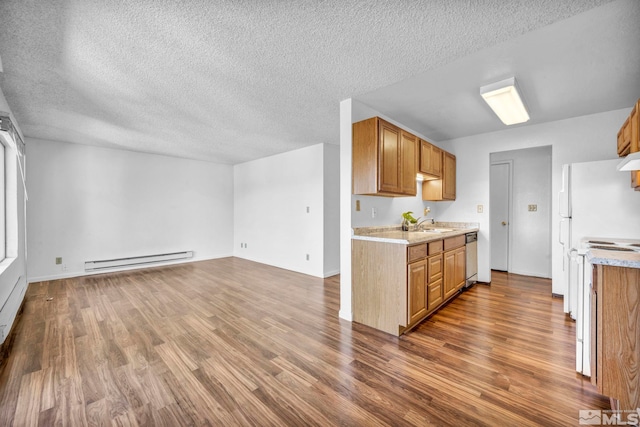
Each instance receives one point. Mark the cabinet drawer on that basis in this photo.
(454, 242)
(434, 296)
(416, 252)
(435, 247)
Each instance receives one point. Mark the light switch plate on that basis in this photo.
(533, 208)
(480, 208)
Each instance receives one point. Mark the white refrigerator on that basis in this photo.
(596, 202)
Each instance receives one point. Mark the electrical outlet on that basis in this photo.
(307, 209)
(307, 257)
(480, 208)
(533, 208)
(374, 212)
(427, 210)
(58, 260)
(357, 205)
(64, 267)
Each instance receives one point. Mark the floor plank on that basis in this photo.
(233, 342)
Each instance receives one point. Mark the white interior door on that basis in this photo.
(499, 200)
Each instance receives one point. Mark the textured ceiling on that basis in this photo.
(231, 81)
(587, 64)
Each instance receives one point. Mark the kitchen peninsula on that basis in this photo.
(401, 277)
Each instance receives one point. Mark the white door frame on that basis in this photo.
(509, 210)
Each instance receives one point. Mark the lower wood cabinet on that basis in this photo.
(395, 286)
(454, 271)
(615, 334)
(417, 287)
(434, 284)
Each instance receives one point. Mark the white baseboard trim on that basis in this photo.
(346, 315)
(72, 274)
(330, 273)
(528, 273)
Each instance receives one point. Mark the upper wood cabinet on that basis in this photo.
(449, 176)
(384, 159)
(629, 140)
(624, 139)
(444, 188)
(430, 160)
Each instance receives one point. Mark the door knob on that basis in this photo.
(504, 222)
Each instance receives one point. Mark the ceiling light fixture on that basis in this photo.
(504, 100)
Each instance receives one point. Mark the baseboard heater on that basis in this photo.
(135, 261)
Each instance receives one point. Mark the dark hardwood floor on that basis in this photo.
(232, 342)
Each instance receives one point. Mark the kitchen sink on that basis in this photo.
(435, 230)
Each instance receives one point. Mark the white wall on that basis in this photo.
(529, 232)
(578, 139)
(331, 210)
(88, 203)
(13, 273)
(271, 223)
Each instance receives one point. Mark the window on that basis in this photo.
(11, 172)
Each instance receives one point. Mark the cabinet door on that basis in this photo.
(417, 298)
(634, 124)
(408, 156)
(436, 161)
(430, 159)
(449, 274)
(622, 150)
(389, 161)
(434, 284)
(461, 267)
(449, 176)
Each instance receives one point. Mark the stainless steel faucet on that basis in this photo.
(423, 220)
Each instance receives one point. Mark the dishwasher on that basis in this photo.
(472, 259)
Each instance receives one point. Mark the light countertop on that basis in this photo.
(614, 258)
(394, 234)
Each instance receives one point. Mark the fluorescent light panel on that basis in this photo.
(505, 101)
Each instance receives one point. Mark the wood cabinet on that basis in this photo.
(430, 160)
(634, 131)
(444, 188)
(615, 334)
(417, 291)
(395, 286)
(629, 140)
(409, 160)
(449, 176)
(384, 159)
(624, 139)
(454, 265)
(435, 296)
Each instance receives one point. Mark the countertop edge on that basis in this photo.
(412, 238)
(617, 259)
